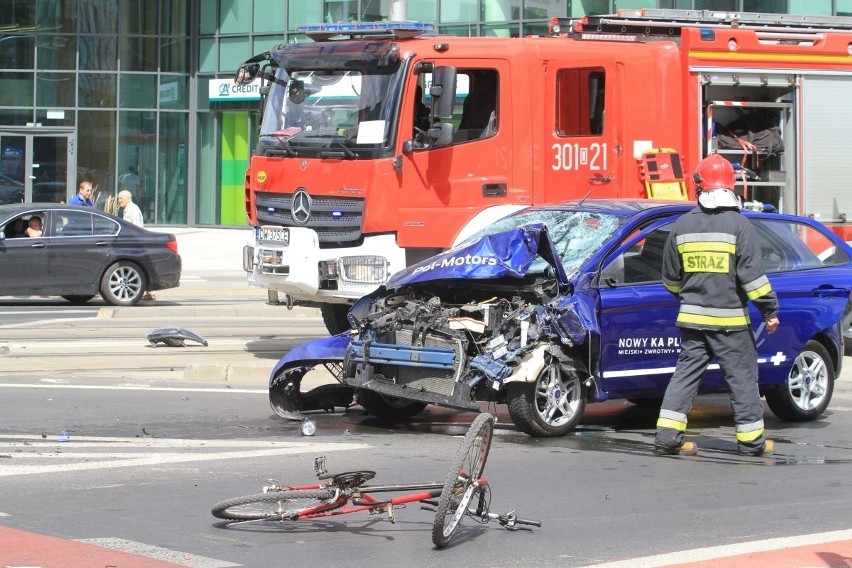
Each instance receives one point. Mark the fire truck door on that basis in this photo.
(581, 154)
(441, 188)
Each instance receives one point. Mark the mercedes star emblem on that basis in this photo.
(301, 210)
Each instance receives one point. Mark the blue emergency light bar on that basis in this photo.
(406, 28)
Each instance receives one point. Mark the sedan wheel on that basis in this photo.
(550, 406)
(805, 394)
(122, 284)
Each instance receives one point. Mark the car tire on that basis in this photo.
(334, 317)
(805, 394)
(123, 284)
(388, 407)
(79, 299)
(549, 406)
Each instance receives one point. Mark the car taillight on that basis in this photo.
(172, 245)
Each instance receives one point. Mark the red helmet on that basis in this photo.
(713, 172)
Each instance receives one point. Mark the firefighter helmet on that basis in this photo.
(714, 183)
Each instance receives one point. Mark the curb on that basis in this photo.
(249, 311)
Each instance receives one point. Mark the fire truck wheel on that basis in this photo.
(805, 394)
(334, 317)
(388, 407)
(551, 405)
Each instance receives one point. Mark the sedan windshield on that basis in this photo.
(577, 235)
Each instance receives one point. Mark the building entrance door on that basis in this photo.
(36, 166)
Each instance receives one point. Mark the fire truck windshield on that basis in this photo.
(331, 111)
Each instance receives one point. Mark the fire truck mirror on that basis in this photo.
(246, 74)
(442, 134)
(443, 92)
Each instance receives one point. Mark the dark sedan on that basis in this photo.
(82, 252)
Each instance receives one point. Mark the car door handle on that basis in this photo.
(38, 245)
(102, 243)
(829, 291)
(600, 179)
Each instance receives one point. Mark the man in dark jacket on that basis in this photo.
(712, 262)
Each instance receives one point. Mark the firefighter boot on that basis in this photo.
(767, 449)
(685, 449)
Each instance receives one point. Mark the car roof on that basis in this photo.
(621, 207)
(15, 208)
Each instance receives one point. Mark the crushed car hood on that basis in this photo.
(510, 253)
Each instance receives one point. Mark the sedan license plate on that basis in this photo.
(273, 234)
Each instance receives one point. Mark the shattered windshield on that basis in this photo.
(577, 235)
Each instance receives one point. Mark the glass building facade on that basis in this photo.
(129, 93)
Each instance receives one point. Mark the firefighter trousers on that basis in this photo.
(736, 354)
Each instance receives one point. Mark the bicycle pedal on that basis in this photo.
(390, 513)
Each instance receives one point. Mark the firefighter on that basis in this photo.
(712, 262)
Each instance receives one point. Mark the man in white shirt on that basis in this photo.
(131, 212)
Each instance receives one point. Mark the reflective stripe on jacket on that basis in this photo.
(712, 261)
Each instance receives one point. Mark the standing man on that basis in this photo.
(84, 194)
(712, 262)
(131, 212)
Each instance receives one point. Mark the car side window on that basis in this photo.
(105, 227)
(17, 227)
(645, 262)
(642, 261)
(72, 224)
(794, 245)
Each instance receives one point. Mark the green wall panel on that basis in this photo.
(235, 160)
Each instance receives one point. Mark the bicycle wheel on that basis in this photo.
(273, 506)
(459, 488)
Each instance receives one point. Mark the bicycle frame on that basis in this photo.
(362, 498)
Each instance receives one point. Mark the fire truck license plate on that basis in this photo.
(276, 234)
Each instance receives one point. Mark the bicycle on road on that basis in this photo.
(464, 493)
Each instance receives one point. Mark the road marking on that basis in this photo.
(87, 453)
(158, 553)
(43, 312)
(132, 388)
(723, 551)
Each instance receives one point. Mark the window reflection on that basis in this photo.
(55, 89)
(57, 52)
(17, 51)
(17, 89)
(98, 17)
(98, 53)
(97, 90)
(171, 169)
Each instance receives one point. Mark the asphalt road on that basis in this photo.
(106, 441)
(139, 469)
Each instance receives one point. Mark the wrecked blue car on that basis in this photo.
(558, 306)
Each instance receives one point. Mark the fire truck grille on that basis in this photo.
(337, 220)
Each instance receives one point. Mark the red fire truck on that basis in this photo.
(381, 144)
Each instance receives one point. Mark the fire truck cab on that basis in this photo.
(380, 147)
